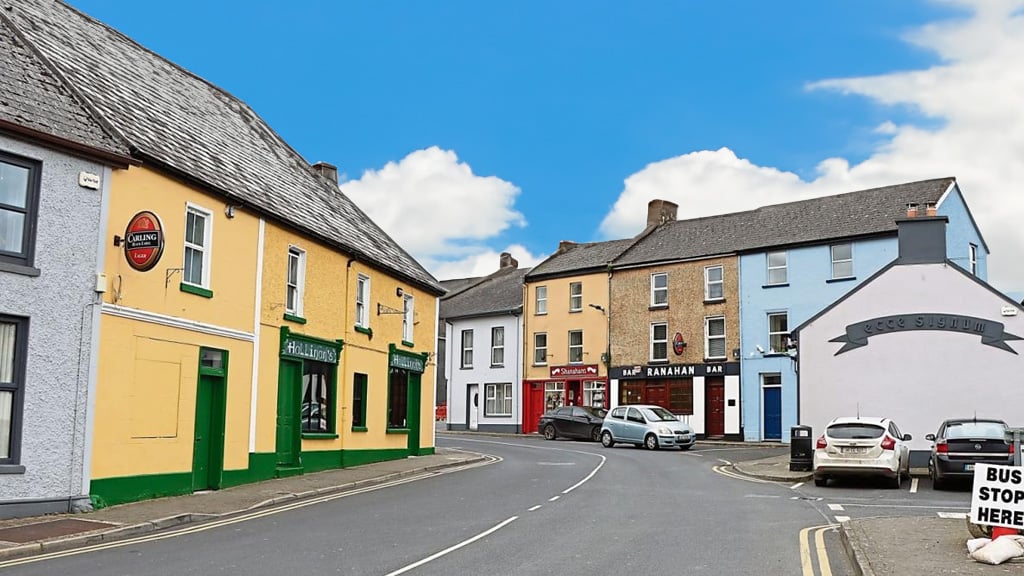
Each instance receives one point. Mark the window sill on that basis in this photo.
(658, 307)
(540, 314)
(659, 361)
(783, 285)
(497, 415)
(294, 318)
(774, 355)
(319, 435)
(834, 280)
(715, 301)
(364, 330)
(18, 269)
(198, 291)
(12, 469)
(408, 344)
(470, 367)
(577, 311)
(359, 428)
(535, 365)
(493, 366)
(398, 431)
(719, 359)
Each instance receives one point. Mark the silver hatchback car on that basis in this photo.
(645, 425)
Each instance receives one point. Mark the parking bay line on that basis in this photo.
(913, 486)
(835, 507)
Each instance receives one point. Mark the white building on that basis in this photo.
(921, 341)
(483, 368)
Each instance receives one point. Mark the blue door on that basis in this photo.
(772, 417)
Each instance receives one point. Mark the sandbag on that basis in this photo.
(1000, 550)
(976, 543)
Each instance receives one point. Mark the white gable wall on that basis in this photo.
(919, 377)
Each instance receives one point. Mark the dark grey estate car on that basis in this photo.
(963, 442)
(582, 422)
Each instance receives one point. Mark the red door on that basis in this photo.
(657, 395)
(533, 405)
(715, 407)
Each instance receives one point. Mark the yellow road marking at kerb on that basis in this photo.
(806, 563)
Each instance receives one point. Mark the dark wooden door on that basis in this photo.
(714, 407)
(657, 395)
(289, 394)
(208, 455)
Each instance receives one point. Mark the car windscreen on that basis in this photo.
(975, 430)
(659, 414)
(855, 431)
(596, 412)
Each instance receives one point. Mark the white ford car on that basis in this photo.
(860, 446)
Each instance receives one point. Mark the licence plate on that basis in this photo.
(968, 467)
(855, 450)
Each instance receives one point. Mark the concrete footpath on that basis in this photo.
(905, 546)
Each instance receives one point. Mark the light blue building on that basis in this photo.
(808, 254)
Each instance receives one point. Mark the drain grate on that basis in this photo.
(51, 529)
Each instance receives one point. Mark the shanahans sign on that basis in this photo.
(992, 333)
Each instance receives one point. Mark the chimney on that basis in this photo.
(507, 261)
(329, 171)
(661, 211)
(930, 209)
(922, 239)
(565, 246)
(912, 210)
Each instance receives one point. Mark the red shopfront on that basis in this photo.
(571, 385)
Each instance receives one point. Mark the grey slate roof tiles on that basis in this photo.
(579, 257)
(33, 97)
(185, 124)
(852, 214)
(499, 293)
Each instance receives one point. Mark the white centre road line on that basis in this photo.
(913, 486)
(451, 549)
(835, 507)
(537, 507)
(795, 486)
(553, 498)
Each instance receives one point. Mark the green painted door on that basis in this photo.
(289, 382)
(208, 453)
(412, 410)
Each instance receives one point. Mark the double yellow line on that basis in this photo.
(806, 562)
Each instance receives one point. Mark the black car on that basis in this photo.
(963, 442)
(572, 422)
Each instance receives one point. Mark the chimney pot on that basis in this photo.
(565, 246)
(329, 171)
(912, 210)
(661, 211)
(930, 209)
(507, 261)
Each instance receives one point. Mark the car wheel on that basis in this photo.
(820, 481)
(898, 480)
(549, 432)
(937, 482)
(606, 439)
(651, 442)
(595, 434)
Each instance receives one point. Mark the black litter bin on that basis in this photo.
(801, 451)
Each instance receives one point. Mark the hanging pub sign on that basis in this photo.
(143, 241)
(678, 344)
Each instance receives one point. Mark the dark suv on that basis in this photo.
(963, 442)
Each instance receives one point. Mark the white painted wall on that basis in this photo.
(482, 373)
(917, 378)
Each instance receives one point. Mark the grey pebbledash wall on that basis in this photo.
(61, 304)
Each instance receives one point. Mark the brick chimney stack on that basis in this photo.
(329, 171)
(661, 211)
(507, 261)
(565, 246)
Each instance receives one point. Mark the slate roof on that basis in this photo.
(588, 256)
(499, 293)
(185, 125)
(34, 97)
(849, 215)
(456, 285)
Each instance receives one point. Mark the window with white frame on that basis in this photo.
(198, 241)
(659, 342)
(408, 317)
(540, 348)
(593, 393)
(842, 260)
(467, 348)
(771, 380)
(974, 259)
(498, 346)
(363, 301)
(13, 347)
(778, 332)
(541, 299)
(19, 200)
(659, 289)
(777, 268)
(714, 337)
(575, 346)
(575, 296)
(498, 399)
(714, 283)
(296, 281)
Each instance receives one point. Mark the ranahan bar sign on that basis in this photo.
(992, 333)
(998, 498)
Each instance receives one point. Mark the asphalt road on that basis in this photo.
(541, 507)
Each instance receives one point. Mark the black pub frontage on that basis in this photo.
(707, 395)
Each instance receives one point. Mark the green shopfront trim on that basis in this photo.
(404, 393)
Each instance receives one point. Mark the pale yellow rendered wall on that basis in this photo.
(146, 386)
(559, 321)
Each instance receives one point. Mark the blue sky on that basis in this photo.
(467, 128)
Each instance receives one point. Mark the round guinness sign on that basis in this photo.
(678, 345)
(143, 241)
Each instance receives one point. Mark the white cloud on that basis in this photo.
(432, 186)
(482, 263)
(975, 93)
